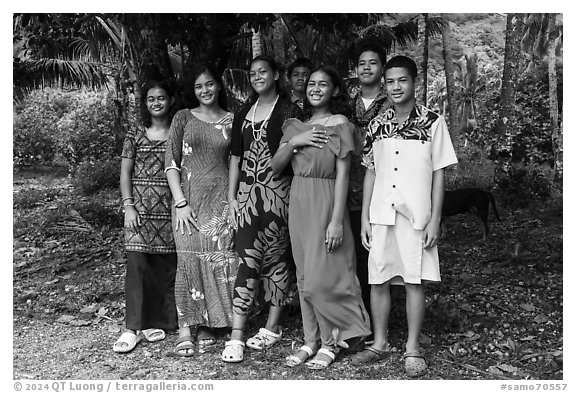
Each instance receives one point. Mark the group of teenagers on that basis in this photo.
(311, 196)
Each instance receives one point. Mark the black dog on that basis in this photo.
(470, 200)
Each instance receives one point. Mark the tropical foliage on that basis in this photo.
(512, 120)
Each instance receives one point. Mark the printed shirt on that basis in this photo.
(298, 101)
(404, 157)
(361, 118)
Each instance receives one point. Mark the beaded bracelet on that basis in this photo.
(128, 204)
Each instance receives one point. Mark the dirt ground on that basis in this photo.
(498, 313)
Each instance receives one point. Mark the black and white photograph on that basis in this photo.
(223, 201)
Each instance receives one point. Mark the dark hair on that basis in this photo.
(299, 62)
(146, 87)
(274, 66)
(190, 81)
(339, 103)
(402, 62)
(370, 46)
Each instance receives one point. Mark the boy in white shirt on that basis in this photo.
(405, 153)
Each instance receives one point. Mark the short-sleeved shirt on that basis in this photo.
(151, 193)
(404, 157)
(361, 118)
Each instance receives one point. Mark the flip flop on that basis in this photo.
(370, 355)
(233, 351)
(320, 364)
(153, 335)
(415, 364)
(128, 338)
(264, 339)
(183, 343)
(294, 360)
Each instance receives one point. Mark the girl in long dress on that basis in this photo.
(258, 200)
(148, 238)
(197, 172)
(322, 243)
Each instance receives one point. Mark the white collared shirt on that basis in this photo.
(404, 157)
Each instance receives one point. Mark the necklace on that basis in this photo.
(257, 133)
(321, 117)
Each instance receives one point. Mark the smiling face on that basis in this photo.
(262, 77)
(298, 79)
(369, 68)
(320, 89)
(206, 89)
(399, 86)
(158, 102)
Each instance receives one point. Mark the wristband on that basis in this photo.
(182, 205)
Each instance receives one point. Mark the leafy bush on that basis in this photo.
(521, 185)
(80, 126)
(35, 123)
(95, 175)
(90, 130)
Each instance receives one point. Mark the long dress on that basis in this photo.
(330, 295)
(265, 273)
(207, 263)
(150, 249)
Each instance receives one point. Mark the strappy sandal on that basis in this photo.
(295, 360)
(320, 364)
(182, 344)
(233, 351)
(415, 364)
(128, 338)
(370, 355)
(264, 339)
(153, 335)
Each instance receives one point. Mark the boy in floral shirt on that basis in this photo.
(405, 153)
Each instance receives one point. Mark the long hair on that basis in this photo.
(274, 66)
(152, 84)
(191, 101)
(339, 103)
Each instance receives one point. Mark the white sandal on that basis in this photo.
(321, 364)
(126, 338)
(153, 335)
(293, 360)
(264, 339)
(233, 351)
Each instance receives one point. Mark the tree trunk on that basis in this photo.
(511, 69)
(452, 117)
(278, 42)
(423, 34)
(557, 138)
(256, 43)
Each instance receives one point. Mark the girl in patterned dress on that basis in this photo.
(258, 208)
(197, 171)
(149, 242)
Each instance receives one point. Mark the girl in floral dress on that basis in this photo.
(197, 172)
(258, 201)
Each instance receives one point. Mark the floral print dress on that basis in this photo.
(207, 262)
